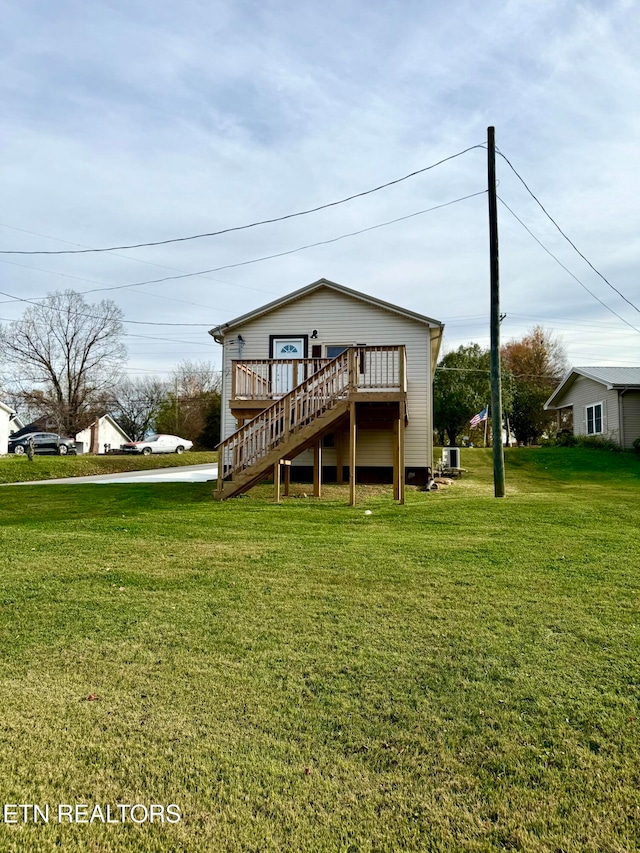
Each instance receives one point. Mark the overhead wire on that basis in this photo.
(249, 225)
(568, 239)
(38, 301)
(293, 251)
(565, 268)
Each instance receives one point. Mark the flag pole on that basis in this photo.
(486, 421)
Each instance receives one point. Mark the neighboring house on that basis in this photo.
(605, 402)
(102, 435)
(15, 424)
(323, 378)
(6, 413)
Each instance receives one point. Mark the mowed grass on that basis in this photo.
(459, 673)
(18, 469)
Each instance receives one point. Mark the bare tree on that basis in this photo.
(64, 354)
(192, 407)
(136, 404)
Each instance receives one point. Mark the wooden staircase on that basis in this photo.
(286, 428)
(309, 411)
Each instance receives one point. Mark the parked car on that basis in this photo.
(158, 444)
(43, 442)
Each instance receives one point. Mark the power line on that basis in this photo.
(568, 239)
(251, 224)
(38, 301)
(41, 304)
(291, 251)
(566, 269)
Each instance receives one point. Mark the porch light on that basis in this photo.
(314, 334)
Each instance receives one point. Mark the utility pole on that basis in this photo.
(496, 382)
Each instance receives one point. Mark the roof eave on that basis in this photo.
(218, 332)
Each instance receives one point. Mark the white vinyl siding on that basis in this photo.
(339, 318)
(108, 433)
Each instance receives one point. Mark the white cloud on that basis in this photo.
(143, 121)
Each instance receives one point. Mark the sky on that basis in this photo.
(147, 120)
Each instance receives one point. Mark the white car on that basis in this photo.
(158, 444)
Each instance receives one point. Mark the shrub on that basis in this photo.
(565, 438)
(594, 442)
(636, 444)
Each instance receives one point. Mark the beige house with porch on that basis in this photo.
(331, 383)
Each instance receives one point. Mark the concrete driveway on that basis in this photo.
(182, 474)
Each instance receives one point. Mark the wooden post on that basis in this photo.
(352, 454)
(401, 454)
(317, 469)
(287, 479)
(276, 482)
(353, 377)
(396, 458)
(220, 472)
(496, 383)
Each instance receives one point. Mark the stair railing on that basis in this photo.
(259, 436)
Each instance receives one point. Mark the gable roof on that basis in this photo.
(610, 377)
(112, 421)
(219, 331)
(9, 411)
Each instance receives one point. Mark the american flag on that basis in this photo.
(481, 416)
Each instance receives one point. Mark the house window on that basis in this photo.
(334, 351)
(594, 419)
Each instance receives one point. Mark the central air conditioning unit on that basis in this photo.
(451, 457)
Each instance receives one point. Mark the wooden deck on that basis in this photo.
(290, 421)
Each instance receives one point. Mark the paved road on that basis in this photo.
(182, 474)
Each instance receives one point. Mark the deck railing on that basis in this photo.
(357, 369)
(268, 379)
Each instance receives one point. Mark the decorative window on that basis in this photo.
(594, 419)
(289, 348)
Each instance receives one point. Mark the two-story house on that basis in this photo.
(331, 382)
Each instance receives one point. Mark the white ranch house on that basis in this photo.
(332, 383)
(604, 401)
(102, 435)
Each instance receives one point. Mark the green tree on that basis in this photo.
(460, 390)
(536, 362)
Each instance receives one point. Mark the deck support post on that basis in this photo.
(317, 469)
(276, 482)
(401, 453)
(352, 454)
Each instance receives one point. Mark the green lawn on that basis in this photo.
(18, 469)
(457, 674)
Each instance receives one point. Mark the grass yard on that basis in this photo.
(18, 469)
(457, 674)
